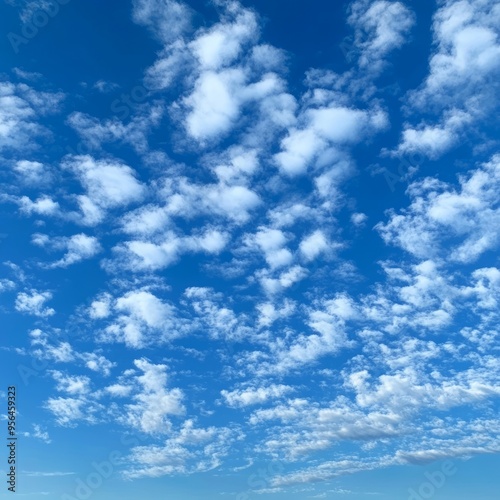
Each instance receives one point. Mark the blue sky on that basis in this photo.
(249, 250)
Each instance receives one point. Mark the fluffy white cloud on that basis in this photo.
(69, 411)
(232, 76)
(144, 255)
(466, 35)
(78, 247)
(271, 242)
(434, 140)
(6, 284)
(20, 108)
(443, 221)
(219, 320)
(109, 184)
(167, 19)
(216, 103)
(153, 402)
(101, 307)
(73, 385)
(255, 395)
(222, 44)
(461, 80)
(141, 313)
(283, 281)
(358, 219)
(191, 449)
(313, 245)
(31, 172)
(138, 318)
(62, 352)
(269, 313)
(97, 363)
(33, 303)
(44, 205)
(380, 27)
(38, 433)
(325, 130)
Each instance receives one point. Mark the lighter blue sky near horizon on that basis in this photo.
(249, 249)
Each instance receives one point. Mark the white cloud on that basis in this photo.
(186, 199)
(255, 395)
(71, 384)
(69, 411)
(237, 167)
(285, 280)
(191, 449)
(26, 75)
(101, 307)
(214, 104)
(380, 27)
(217, 318)
(31, 172)
(139, 318)
(97, 363)
(34, 302)
(44, 205)
(61, 353)
(6, 285)
(269, 313)
(118, 390)
(325, 131)
(38, 433)
(78, 247)
(221, 45)
(271, 242)
(95, 132)
(313, 245)
(154, 403)
(296, 350)
(104, 86)
(358, 219)
(434, 140)
(461, 82)
(465, 32)
(20, 108)
(108, 183)
(172, 60)
(456, 224)
(145, 255)
(167, 19)
(231, 76)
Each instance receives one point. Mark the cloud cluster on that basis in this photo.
(236, 246)
(462, 79)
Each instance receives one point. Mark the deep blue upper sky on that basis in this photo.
(250, 249)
